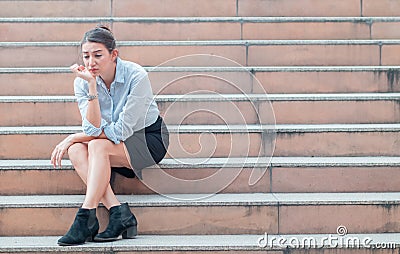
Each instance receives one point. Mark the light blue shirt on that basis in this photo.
(127, 107)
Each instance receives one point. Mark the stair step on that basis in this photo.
(197, 108)
(142, 244)
(221, 140)
(198, 163)
(287, 8)
(376, 243)
(253, 53)
(118, 8)
(383, 8)
(202, 28)
(253, 213)
(258, 8)
(49, 8)
(319, 9)
(282, 174)
(193, 173)
(306, 79)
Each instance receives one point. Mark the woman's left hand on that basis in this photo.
(82, 72)
(59, 151)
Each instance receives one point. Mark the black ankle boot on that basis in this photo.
(84, 228)
(122, 221)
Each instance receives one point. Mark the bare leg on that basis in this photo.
(79, 156)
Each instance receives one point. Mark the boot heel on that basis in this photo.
(91, 238)
(130, 233)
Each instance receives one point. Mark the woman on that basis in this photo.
(122, 131)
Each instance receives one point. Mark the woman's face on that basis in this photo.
(97, 59)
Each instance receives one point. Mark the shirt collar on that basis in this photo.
(119, 73)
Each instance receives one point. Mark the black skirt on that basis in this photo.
(146, 147)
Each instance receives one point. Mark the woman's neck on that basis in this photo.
(109, 77)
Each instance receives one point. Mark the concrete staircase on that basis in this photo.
(330, 69)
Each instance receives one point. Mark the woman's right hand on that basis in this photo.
(60, 150)
(82, 72)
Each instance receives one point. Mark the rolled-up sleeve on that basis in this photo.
(133, 115)
(110, 130)
(81, 96)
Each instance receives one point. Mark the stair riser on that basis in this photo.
(338, 144)
(41, 146)
(185, 8)
(317, 8)
(335, 179)
(37, 84)
(321, 219)
(181, 220)
(287, 180)
(143, 31)
(319, 31)
(286, 112)
(326, 218)
(40, 114)
(120, 8)
(381, 8)
(257, 8)
(49, 8)
(215, 30)
(314, 55)
(308, 31)
(288, 8)
(270, 82)
(257, 55)
(227, 145)
(327, 82)
(144, 55)
(45, 182)
(321, 112)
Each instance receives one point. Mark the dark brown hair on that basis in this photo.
(101, 34)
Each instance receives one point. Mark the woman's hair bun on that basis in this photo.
(103, 26)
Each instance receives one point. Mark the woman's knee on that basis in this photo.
(77, 150)
(78, 156)
(98, 146)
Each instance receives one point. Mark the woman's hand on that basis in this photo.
(82, 72)
(59, 151)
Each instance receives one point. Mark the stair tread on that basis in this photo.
(211, 43)
(192, 242)
(195, 19)
(223, 97)
(371, 161)
(232, 128)
(353, 68)
(232, 199)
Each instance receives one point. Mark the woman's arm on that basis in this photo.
(93, 114)
(82, 137)
(62, 147)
